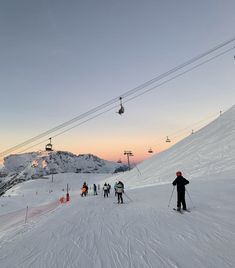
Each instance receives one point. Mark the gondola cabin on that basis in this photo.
(121, 110)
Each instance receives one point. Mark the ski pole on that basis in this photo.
(128, 197)
(190, 198)
(171, 196)
(138, 169)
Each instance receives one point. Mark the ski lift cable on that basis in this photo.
(178, 75)
(193, 126)
(201, 124)
(142, 93)
(68, 129)
(54, 129)
(181, 66)
(130, 99)
(75, 126)
(174, 77)
(128, 93)
(150, 89)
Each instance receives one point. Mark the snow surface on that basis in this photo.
(208, 151)
(96, 232)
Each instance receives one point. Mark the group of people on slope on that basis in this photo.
(179, 182)
(118, 188)
(85, 189)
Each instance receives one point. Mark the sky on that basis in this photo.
(59, 59)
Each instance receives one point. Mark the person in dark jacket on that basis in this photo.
(95, 189)
(109, 188)
(180, 181)
(106, 190)
(120, 191)
(84, 189)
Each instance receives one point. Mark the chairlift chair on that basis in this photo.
(167, 139)
(121, 110)
(119, 161)
(49, 146)
(150, 150)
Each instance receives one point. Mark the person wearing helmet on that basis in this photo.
(180, 181)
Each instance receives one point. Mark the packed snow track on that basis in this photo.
(94, 232)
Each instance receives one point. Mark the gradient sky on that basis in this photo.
(58, 59)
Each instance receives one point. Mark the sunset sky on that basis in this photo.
(59, 59)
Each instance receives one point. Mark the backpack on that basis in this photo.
(84, 189)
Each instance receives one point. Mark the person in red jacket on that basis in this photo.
(180, 181)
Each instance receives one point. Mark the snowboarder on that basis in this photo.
(120, 190)
(94, 189)
(180, 181)
(106, 190)
(84, 189)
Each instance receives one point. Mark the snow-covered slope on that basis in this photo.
(209, 151)
(95, 232)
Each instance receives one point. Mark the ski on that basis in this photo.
(187, 210)
(179, 211)
(182, 211)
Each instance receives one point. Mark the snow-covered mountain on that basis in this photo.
(59, 162)
(20, 167)
(209, 151)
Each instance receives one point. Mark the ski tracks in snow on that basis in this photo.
(93, 232)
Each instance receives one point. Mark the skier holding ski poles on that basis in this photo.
(120, 190)
(180, 181)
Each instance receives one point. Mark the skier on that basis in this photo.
(109, 188)
(94, 188)
(120, 190)
(180, 181)
(106, 190)
(84, 189)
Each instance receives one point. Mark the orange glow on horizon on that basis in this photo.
(111, 149)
